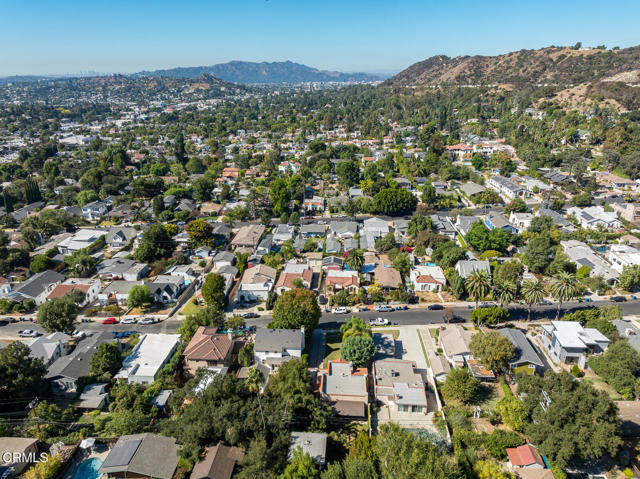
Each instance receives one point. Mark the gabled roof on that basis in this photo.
(525, 455)
(206, 345)
(218, 462)
(524, 351)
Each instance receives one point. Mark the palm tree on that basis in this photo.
(478, 285)
(355, 259)
(254, 381)
(532, 293)
(563, 287)
(504, 292)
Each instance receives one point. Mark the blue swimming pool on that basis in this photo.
(88, 469)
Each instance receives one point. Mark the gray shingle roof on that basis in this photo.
(524, 351)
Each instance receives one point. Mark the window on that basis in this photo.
(403, 408)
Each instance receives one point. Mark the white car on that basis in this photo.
(340, 310)
(383, 308)
(129, 321)
(147, 321)
(378, 322)
(78, 334)
(28, 333)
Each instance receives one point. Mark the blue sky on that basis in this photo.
(70, 36)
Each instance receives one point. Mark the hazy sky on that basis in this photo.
(65, 36)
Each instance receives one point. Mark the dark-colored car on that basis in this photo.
(435, 307)
(618, 299)
(452, 318)
(250, 315)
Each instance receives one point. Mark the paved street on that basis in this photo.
(413, 316)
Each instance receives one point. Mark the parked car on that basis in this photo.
(378, 322)
(109, 321)
(29, 333)
(618, 299)
(147, 321)
(384, 308)
(487, 304)
(452, 318)
(340, 310)
(129, 321)
(250, 315)
(78, 334)
(435, 307)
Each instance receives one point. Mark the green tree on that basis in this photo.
(355, 259)
(349, 173)
(429, 195)
(490, 470)
(493, 350)
(394, 202)
(563, 287)
(301, 466)
(418, 223)
(107, 359)
(86, 196)
(460, 385)
(213, 290)
(532, 293)
(490, 316)
(630, 278)
(200, 233)
(210, 316)
(355, 326)
(538, 254)
(58, 315)
(46, 469)
(296, 308)
(155, 244)
(512, 411)
(22, 375)
(504, 292)
(139, 295)
(478, 285)
(618, 366)
(448, 254)
(358, 350)
(41, 263)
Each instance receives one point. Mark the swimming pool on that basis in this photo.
(88, 469)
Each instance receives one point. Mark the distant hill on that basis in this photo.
(573, 77)
(264, 72)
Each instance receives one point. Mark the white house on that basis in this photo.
(594, 216)
(256, 283)
(275, 346)
(90, 287)
(147, 357)
(427, 278)
(81, 239)
(622, 256)
(507, 188)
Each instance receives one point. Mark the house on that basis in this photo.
(338, 280)
(470, 188)
(16, 454)
(248, 237)
(627, 330)
(272, 347)
(628, 211)
(312, 443)
(521, 221)
(90, 287)
(332, 262)
(286, 279)
(332, 245)
(119, 237)
(143, 456)
(313, 231)
(256, 283)
(399, 385)
(439, 365)
(289, 166)
(314, 204)
(455, 340)
(594, 216)
(182, 271)
(94, 210)
(39, 286)
(464, 223)
(499, 221)
(209, 208)
(525, 358)
(525, 456)
(224, 258)
(557, 219)
(147, 357)
(80, 240)
(207, 349)
(443, 226)
(375, 227)
(117, 292)
(50, 347)
(400, 227)
(583, 255)
(121, 268)
(570, 343)
(387, 276)
(427, 278)
(166, 289)
(218, 462)
(345, 387)
(622, 256)
(221, 234)
(265, 246)
(63, 373)
(94, 396)
(466, 268)
(343, 229)
(507, 189)
(355, 193)
(459, 152)
(282, 233)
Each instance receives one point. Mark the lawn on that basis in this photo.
(434, 332)
(191, 308)
(395, 332)
(599, 384)
(332, 347)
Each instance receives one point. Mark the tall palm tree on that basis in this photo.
(254, 382)
(563, 287)
(478, 285)
(532, 293)
(355, 259)
(504, 292)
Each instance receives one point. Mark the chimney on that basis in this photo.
(230, 335)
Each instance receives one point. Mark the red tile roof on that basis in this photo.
(426, 278)
(206, 345)
(63, 289)
(524, 455)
